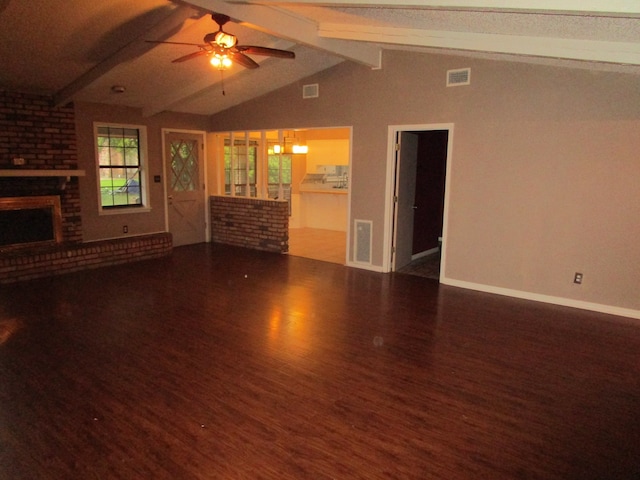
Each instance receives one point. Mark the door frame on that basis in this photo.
(203, 164)
(390, 188)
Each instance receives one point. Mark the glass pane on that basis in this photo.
(104, 155)
(131, 157)
(106, 187)
(184, 166)
(115, 140)
(279, 172)
(124, 187)
(240, 164)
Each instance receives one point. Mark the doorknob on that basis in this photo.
(415, 207)
(170, 197)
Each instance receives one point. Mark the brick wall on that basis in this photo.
(250, 222)
(40, 262)
(45, 136)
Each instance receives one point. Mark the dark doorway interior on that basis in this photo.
(429, 197)
(429, 203)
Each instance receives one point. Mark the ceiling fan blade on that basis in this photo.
(269, 52)
(190, 56)
(243, 60)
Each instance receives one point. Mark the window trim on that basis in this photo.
(144, 177)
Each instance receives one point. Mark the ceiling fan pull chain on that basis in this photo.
(222, 82)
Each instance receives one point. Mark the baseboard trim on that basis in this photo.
(365, 266)
(425, 253)
(565, 302)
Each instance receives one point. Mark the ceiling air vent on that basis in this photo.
(461, 76)
(311, 91)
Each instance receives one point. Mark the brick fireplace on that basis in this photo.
(44, 138)
(38, 163)
(30, 221)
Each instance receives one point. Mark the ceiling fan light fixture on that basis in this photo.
(220, 62)
(225, 40)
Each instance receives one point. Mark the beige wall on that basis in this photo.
(545, 173)
(95, 226)
(327, 152)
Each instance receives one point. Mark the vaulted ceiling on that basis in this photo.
(80, 49)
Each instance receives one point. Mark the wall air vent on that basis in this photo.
(461, 76)
(363, 239)
(311, 91)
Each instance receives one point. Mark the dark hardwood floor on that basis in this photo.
(223, 363)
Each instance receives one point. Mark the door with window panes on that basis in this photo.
(185, 188)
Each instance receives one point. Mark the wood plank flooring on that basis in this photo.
(319, 244)
(224, 363)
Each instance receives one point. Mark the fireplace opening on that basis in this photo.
(28, 221)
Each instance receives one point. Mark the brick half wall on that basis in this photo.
(250, 222)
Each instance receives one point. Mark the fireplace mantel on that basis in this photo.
(21, 172)
(62, 174)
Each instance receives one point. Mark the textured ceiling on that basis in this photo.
(78, 50)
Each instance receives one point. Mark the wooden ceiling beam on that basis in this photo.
(577, 7)
(132, 50)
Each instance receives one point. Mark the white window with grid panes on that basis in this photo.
(120, 159)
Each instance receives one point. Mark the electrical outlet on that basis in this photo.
(125, 229)
(577, 278)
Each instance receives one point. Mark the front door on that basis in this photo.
(185, 189)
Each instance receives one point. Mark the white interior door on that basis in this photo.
(407, 158)
(185, 187)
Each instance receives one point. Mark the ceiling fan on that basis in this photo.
(223, 48)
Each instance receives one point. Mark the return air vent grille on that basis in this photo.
(461, 76)
(363, 241)
(311, 91)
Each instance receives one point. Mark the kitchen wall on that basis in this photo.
(544, 170)
(327, 147)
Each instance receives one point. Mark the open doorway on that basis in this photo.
(320, 196)
(421, 156)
